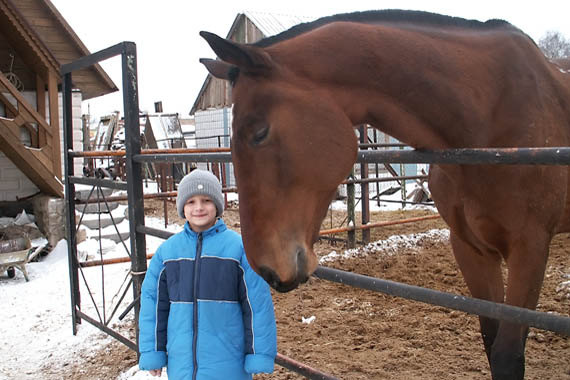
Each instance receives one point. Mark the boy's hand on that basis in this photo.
(156, 372)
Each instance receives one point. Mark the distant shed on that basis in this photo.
(212, 107)
(248, 27)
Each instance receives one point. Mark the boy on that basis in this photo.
(205, 314)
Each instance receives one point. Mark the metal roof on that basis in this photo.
(271, 24)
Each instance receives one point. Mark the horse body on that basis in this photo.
(430, 84)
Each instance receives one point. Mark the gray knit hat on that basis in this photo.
(200, 182)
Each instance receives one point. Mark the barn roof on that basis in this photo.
(271, 24)
(248, 27)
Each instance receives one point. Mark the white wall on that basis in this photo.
(13, 183)
(213, 128)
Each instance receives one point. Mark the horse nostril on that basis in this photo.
(269, 276)
(302, 275)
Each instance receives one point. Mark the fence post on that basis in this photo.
(134, 172)
(350, 210)
(364, 189)
(70, 202)
(403, 182)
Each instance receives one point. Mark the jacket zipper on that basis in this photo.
(195, 300)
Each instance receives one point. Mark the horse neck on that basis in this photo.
(396, 80)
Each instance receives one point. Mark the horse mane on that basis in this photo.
(386, 15)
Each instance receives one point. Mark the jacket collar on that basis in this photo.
(218, 227)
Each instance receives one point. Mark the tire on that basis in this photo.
(11, 272)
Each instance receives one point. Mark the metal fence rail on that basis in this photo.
(471, 156)
(545, 321)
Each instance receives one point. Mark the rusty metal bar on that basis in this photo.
(302, 369)
(114, 260)
(121, 152)
(385, 179)
(185, 157)
(168, 194)
(377, 224)
(166, 234)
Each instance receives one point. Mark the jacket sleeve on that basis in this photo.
(153, 318)
(259, 321)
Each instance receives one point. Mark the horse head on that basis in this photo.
(288, 135)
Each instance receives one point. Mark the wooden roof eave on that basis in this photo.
(25, 31)
(202, 91)
(79, 44)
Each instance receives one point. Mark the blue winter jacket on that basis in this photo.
(205, 314)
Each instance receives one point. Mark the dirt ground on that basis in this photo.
(358, 334)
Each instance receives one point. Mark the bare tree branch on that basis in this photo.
(554, 45)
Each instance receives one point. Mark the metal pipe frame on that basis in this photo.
(385, 179)
(117, 185)
(461, 156)
(302, 369)
(127, 50)
(504, 156)
(70, 202)
(377, 224)
(121, 153)
(469, 305)
(167, 194)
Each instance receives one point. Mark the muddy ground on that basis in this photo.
(358, 334)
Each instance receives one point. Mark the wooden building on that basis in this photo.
(35, 40)
(248, 27)
(212, 107)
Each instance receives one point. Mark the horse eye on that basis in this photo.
(260, 135)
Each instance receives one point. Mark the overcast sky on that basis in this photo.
(168, 44)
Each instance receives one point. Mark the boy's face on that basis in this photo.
(200, 212)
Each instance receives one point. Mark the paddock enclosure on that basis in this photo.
(364, 313)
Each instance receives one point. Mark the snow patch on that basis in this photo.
(390, 246)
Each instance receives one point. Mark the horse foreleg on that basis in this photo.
(482, 274)
(526, 263)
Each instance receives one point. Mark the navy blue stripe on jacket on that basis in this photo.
(162, 311)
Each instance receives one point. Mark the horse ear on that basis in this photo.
(219, 69)
(247, 58)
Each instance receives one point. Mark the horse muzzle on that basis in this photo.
(300, 274)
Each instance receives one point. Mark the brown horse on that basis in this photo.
(433, 82)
